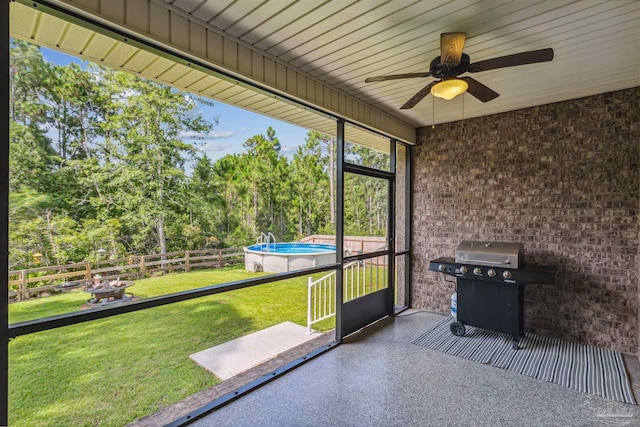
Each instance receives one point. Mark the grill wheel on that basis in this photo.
(457, 329)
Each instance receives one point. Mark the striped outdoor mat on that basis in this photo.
(581, 367)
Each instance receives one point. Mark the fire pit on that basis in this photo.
(108, 292)
(490, 279)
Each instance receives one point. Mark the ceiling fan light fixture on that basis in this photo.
(449, 89)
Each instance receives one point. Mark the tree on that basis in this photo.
(99, 154)
(31, 151)
(229, 176)
(103, 159)
(366, 211)
(147, 154)
(266, 170)
(310, 185)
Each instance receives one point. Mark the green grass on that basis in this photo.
(112, 371)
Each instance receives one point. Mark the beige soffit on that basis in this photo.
(149, 20)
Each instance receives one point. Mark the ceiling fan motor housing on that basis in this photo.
(448, 71)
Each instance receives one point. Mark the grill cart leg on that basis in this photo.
(514, 343)
(457, 328)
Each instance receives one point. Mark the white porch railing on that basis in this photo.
(360, 278)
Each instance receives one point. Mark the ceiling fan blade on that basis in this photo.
(531, 57)
(480, 91)
(418, 96)
(451, 45)
(396, 76)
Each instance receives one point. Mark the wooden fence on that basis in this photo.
(356, 244)
(23, 283)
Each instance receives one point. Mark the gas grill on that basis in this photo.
(490, 279)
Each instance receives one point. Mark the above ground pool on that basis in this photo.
(280, 257)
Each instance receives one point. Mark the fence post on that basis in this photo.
(219, 258)
(187, 262)
(87, 271)
(24, 274)
(143, 267)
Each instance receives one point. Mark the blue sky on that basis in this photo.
(235, 124)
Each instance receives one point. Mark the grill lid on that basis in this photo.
(492, 254)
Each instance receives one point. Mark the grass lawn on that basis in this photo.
(112, 371)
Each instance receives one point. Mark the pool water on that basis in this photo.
(293, 248)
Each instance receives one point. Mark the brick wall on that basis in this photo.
(562, 179)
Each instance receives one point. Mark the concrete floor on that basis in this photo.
(378, 378)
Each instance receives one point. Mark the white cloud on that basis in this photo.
(125, 94)
(225, 134)
(214, 146)
(221, 134)
(288, 149)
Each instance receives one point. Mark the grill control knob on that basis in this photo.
(491, 272)
(464, 269)
(442, 267)
(477, 271)
(506, 274)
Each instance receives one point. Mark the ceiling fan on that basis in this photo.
(452, 62)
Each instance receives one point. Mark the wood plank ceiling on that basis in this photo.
(341, 42)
